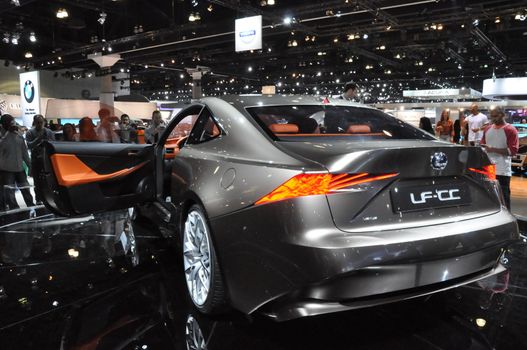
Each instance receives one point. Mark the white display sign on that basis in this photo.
(248, 33)
(513, 88)
(29, 96)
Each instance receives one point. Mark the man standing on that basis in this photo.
(34, 138)
(155, 129)
(500, 140)
(38, 133)
(475, 125)
(127, 132)
(350, 92)
(105, 130)
(13, 153)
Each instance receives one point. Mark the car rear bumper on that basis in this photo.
(291, 307)
(290, 252)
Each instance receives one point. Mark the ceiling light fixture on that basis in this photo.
(62, 13)
(102, 18)
(497, 20)
(15, 2)
(288, 20)
(32, 37)
(194, 16)
(28, 55)
(14, 39)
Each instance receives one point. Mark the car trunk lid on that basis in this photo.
(434, 183)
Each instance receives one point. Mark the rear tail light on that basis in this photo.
(488, 170)
(313, 184)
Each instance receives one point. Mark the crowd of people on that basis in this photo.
(494, 134)
(20, 147)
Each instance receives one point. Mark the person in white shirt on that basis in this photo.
(500, 140)
(475, 122)
(154, 131)
(105, 130)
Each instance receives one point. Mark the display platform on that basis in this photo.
(107, 282)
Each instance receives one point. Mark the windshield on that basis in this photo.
(298, 122)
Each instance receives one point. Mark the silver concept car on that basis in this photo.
(294, 205)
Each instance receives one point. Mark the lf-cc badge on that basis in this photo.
(438, 161)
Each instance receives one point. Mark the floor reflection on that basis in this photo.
(106, 283)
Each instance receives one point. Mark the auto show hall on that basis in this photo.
(263, 174)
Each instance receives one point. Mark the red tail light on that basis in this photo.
(488, 170)
(313, 184)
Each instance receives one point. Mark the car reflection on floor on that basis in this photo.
(105, 283)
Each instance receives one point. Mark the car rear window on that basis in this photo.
(296, 123)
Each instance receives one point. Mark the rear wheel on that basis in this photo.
(202, 271)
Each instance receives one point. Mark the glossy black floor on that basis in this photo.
(99, 283)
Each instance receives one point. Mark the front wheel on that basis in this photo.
(202, 271)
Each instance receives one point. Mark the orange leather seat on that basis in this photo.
(283, 128)
(359, 129)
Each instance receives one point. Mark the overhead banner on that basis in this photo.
(248, 33)
(505, 88)
(29, 96)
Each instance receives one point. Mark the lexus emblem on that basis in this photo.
(438, 161)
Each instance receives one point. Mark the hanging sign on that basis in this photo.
(248, 33)
(29, 96)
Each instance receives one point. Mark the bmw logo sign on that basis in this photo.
(29, 91)
(438, 161)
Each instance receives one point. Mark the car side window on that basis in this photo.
(205, 128)
(183, 128)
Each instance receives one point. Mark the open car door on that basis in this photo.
(89, 177)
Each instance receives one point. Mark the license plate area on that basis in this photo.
(414, 198)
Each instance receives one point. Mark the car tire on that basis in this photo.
(201, 268)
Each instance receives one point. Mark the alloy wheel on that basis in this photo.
(197, 257)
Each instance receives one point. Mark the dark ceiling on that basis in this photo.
(409, 44)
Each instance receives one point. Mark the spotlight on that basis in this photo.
(32, 37)
(194, 16)
(475, 22)
(14, 39)
(102, 18)
(365, 36)
(6, 38)
(210, 8)
(15, 2)
(62, 13)
(288, 20)
(28, 55)
(497, 20)
(270, 2)
(520, 17)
